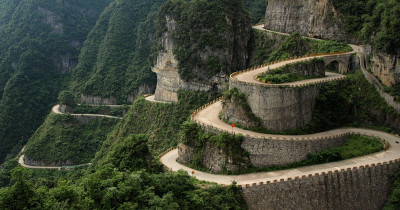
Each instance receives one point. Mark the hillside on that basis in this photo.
(162, 149)
(69, 141)
(40, 43)
(114, 62)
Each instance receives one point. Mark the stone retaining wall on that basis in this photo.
(31, 162)
(280, 108)
(274, 151)
(365, 187)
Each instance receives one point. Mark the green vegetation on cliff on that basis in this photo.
(210, 36)
(40, 40)
(375, 21)
(286, 73)
(114, 61)
(267, 47)
(66, 139)
(256, 9)
(160, 122)
(193, 136)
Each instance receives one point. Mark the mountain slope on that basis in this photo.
(114, 61)
(40, 43)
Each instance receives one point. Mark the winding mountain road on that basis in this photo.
(209, 116)
(22, 163)
(56, 110)
(152, 98)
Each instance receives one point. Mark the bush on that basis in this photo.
(67, 98)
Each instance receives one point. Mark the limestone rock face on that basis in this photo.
(95, 100)
(185, 154)
(168, 80)
(233, 112)
(214, 158)
(314, 18)
(31, 162)
(387, 68)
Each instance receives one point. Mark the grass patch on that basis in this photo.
(310, 69)
(279, 77)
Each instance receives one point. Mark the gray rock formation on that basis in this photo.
(214, 158)
(169, 81)
(32, 162)
(314, 18)
(234, 112)
(386, 67)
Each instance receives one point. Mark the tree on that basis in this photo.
(21, 195)
(67, 98)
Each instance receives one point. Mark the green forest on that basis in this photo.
(67, 51)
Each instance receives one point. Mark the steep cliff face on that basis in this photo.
(197, 50)
(350, 21)
(386, 67)
(169, 81)
(315, 18)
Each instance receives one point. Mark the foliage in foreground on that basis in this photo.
(108, 188)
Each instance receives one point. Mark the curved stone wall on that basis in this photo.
(275, 151)
(280, 107)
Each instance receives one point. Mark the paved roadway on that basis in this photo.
(210, 116)
(152, 99)
(56, 110)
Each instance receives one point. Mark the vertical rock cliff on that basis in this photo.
(350, 21)
(315, 18)
(386, 67)
(197, 50)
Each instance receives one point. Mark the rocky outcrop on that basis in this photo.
(386, 67)
(204, 53)
(213, 158)
(169, 81)
(31, 162)
(314, 18)
(315, 67)
(96, 100)
(233, 111)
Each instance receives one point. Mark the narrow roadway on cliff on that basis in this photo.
(56, 110)
(209, 116)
